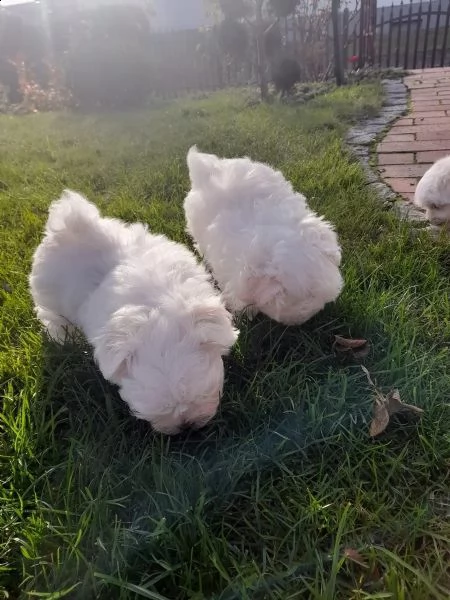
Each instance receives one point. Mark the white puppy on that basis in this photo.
(157, 326)
(269, 252)
(433, 193)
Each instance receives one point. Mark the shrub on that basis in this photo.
(37, 98)
(9, 79)
(3, 99)
(286, 74)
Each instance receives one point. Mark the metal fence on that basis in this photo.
(409, 35)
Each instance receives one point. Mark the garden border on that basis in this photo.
(362, 137)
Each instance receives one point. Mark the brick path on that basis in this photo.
(420, 138)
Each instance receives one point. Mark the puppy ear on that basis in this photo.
(214, 327)
(116, 345)
(202, 167)
(262, 289)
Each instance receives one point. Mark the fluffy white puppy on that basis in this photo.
(268, 251)
(158, 327)
(433, 193)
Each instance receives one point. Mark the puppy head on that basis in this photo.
(433, 193)
(437, 208)
(168, 365)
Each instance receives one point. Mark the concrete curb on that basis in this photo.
(361, 137)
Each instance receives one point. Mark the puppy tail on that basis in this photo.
(71, 212)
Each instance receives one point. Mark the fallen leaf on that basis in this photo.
(349, 343)
(356, 348)
(355, 557)
(362, 352)
(395, 404)
(369, 378)
(380, 419)
(386, 406)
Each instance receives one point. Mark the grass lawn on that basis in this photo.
(283, 495)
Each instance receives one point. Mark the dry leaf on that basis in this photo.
(362, 352)
(395, 404)
(369, 378)
(358, 348)
(386, 406)
(380, 418)
(355, 557)
(349, 343)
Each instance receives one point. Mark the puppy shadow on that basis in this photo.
(73, 385)
(263, 341)
(164, 479)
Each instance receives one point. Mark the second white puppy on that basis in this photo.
(433, 193)
(269, 252)
(157, 326)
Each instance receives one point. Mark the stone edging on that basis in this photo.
(361, 137)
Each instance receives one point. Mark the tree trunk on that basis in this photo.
(261, 50)
(338, 69)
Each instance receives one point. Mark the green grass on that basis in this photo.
(264, 502)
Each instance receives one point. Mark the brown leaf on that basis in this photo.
(362, 352)
(380, 418)
(395, 404)
(355, 557)
(374, 576)
(349, 343)
(386, 406)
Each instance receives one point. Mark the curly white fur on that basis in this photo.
(157, 326)
(433, 192)
(267, 249)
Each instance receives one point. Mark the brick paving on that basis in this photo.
(423, 136)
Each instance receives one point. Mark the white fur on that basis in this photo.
(433, 192)
(157, 326)
(267, 249)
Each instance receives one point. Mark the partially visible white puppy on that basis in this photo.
(157, 326)
(269, 252)
(433, 193)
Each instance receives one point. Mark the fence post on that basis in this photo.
(427, 33)
(388, 59)
(338, 71)
(399, 36)
(373, 31)
(381, 39)
(444, 41)
(345, 37)
(416, 43)
(362, 34)
(436, 33)
(408, 32)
